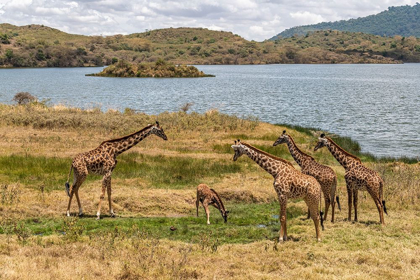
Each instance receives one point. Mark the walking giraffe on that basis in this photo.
(325, 176)
(102, 161)
(289, 183)
(357, 176)
(207, 197)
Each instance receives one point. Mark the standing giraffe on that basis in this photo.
(102, 161)
(207, 197)
(357, 176)
(325, 176)
(289, 183)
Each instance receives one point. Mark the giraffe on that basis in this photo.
(357, 176)
(289, 183)
(207, 197)
(325, 176)
(102, 161)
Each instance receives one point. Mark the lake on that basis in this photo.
(376, 105)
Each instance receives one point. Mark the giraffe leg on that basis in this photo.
(108, 189)
(197, 204)
(327, 201)
(313, 202)
(378, 202)
(282, 217)
(350, 199)
(333, 190)
(105, 182)
(79, 178)
(78, 202)
(206, 208)
(70, 198)
(355, 199)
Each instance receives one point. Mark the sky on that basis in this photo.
(251, 19)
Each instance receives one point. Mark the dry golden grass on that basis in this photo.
(348, 251)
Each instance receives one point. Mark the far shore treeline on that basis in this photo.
(42, 46)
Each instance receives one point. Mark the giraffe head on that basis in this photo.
(224, 215)
(283, 138)
(239, 149)
(157, 130)
(322, 142)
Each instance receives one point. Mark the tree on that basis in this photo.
(9, 54)
(23, 98)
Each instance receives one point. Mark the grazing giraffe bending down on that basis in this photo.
(325, 176)
(102, 161)
(289, 183)
(357, 176)
(207, 197)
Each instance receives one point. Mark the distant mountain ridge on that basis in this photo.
(401, 20)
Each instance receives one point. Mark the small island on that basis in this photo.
(159, 69)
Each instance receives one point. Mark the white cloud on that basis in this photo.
(18, 4)
(252, 19)
(307, 17)
(49, 11)
(215, 27)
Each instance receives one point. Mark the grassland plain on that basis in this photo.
(154, 189)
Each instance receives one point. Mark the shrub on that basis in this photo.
(186, 106)
(9, 195)
(23, 98)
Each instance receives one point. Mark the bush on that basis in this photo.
(23, 98)
(186, 106)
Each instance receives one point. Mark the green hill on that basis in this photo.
(41, 46)
(402, 20)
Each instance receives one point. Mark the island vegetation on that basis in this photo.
(41, 46)
(156, 234)
(159, 69)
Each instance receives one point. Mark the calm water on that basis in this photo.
(377, 105)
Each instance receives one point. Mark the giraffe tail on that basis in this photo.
(338, 202)
(383, 204)
(67, 183)
(382, 196)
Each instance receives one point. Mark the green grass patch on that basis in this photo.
(160, 171)
(35, 171)
(307, 130)
(223, 148)
(279, 151)
(246, 223)
(172, 172)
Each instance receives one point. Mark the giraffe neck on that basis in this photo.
(266, 162)
(123, 144)
(300, 157)
(344, 158)
(219, 202)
